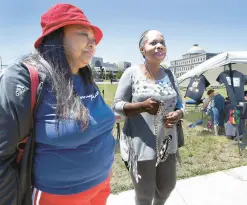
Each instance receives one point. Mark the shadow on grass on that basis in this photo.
(205, 133)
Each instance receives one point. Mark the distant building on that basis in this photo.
(194, 57)
(111, 67)
(123, 65)
(98, 64)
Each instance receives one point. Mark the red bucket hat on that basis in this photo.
(62, 15)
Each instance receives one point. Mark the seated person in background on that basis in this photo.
(206, 108)
(206, 105)
(217, 110)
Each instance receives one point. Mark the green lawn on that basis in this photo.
(203, 152)
(109, 92)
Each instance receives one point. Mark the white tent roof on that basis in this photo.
(214, 66)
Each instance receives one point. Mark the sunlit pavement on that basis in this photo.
(221, 188)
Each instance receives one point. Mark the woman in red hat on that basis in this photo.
(74, 146)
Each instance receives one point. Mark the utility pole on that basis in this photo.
(1, 63)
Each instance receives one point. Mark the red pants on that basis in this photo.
(95, 196)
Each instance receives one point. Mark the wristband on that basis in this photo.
(180, 113)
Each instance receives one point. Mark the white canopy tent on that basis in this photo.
(214, 66)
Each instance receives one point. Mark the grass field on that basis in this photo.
(109, 92)
(202, 154)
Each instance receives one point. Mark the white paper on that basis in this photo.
(195, 84)
(228, 80)
(236, 82)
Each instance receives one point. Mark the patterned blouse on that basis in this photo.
(137, 141)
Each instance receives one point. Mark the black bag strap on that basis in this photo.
(171, 78)
(179, 123)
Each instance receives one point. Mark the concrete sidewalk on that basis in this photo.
(221, 188)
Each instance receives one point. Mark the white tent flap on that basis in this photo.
(214, 66)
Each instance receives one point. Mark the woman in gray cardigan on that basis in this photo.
(150, 101)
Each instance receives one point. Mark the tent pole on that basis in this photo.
(231, 76)
(224, 67)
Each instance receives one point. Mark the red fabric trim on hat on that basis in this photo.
(97, 32)
(62, 15)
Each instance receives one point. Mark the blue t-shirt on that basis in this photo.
(75, 160)
(236, 91)
(196, 87)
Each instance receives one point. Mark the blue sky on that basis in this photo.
(216, 25)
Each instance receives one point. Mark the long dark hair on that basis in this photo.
(51, 62)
